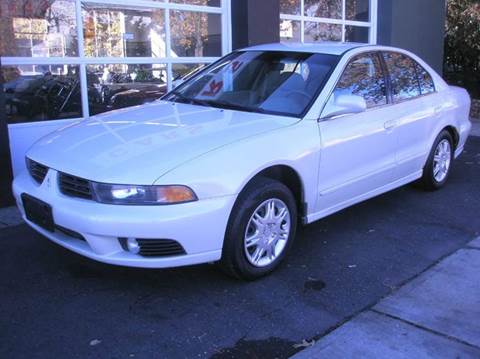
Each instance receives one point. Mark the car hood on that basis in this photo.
(140, 144)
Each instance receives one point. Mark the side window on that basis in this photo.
(403, 76)
(364, 76)
(426, 82)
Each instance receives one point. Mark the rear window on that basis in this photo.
(403, 76)
(426, 82)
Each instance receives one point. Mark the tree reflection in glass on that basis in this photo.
(38, 28)
(111, 31)
(364, 77)
(403, 76)
(331, 9)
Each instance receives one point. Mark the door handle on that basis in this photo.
(389, 125)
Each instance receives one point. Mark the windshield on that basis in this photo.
(284, 83)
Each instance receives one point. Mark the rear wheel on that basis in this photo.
(261, 229)
(437, 169)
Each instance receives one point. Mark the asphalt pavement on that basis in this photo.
(54, 303)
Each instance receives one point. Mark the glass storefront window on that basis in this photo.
(331, 9)
(41, 92)
(195, 34)
(123, 32)
(291, 7)
(334, 20)
(290, 31)
(48, 28)
(115, 86)
(357, 10)
(197, 2)
(318, 31)
(356, 34)
(40, 28)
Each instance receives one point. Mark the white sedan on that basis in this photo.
(223, 168)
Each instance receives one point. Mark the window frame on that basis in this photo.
(82, 61)
(429, 74)
(371, 24)
(373, 54)
(387, 76)
(337, 80)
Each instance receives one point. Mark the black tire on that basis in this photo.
(428, 181)
(234, 260)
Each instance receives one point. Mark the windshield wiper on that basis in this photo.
(191, 100)
(233, 106)
(218, 104)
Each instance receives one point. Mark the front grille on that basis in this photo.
(36, 170)
(73, 186)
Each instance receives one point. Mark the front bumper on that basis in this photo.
(198, 226)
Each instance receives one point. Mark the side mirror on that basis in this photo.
(343, 104)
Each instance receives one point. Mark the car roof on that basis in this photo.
(323, 47)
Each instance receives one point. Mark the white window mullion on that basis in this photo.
(168, 50)
(156, 5)
(373, 21)
(344, 18)
(302, 21)
(226, 27)
(82, 66)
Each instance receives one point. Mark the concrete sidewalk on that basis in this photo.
(436, 315)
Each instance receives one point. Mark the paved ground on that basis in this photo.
(55, 303)
(9, 216)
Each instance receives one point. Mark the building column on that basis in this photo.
(415, 25)
(6, 197)
(255, 22)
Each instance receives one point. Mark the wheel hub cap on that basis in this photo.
(267, 232)
(442, 160)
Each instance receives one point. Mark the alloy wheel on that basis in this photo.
(267, 232)
(442, 160)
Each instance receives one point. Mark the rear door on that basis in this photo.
(358, 150)
(411, 87)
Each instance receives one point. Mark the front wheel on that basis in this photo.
(261, 229)
(439, 163)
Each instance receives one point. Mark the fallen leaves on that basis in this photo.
(304, 344)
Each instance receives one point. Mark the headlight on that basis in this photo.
(142, 195)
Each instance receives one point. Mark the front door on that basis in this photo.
(358, 150)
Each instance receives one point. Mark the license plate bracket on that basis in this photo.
(38, 212)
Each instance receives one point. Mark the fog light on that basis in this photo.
(133, 246)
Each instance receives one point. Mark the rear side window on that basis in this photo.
(364, 77)
(403, 76)
(426, 82)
